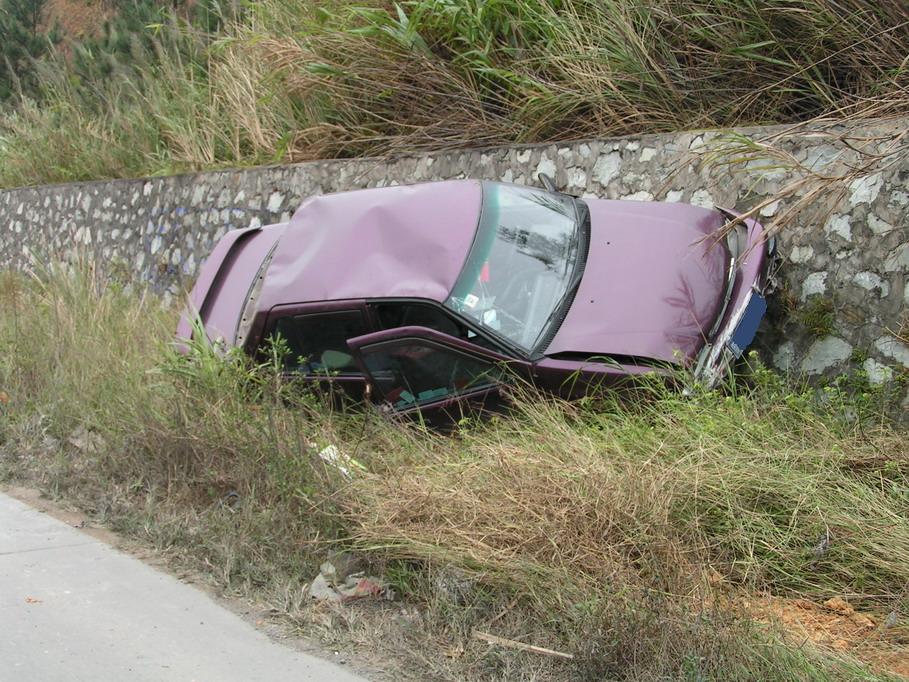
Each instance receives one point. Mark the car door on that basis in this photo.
(436, 377)
(313, 340)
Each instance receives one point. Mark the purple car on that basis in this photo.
(427, 297)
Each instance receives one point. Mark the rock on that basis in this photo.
(702, 198)
(320, 590)
(770, 209)
(839, 225)
(784, 357)
(814, 284)
(877, 372)
(607, 167)
(840, 606)
(898, 259)
(893, 348)
(865, 189)
(878, 226)
(870, 281)
(801, 254)
(824, 354)
(546, 166)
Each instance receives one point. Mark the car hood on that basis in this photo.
(652, 285)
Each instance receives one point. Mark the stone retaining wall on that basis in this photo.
(844, 292)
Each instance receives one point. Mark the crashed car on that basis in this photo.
(425, 298)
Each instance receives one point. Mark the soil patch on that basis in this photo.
(880, 640)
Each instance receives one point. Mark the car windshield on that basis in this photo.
(523, 265)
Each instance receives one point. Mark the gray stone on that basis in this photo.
(784, 357)
(702, 198)
(801, 254)
(865, 189)
(814, 284)
(825, 354)
(818, 157)
(878, 226)
(546, 166)
(275, 202)
(576, 179)
(871, 281)
(898, 198)
(898, 259)
(893, 348)
(877, 373)
(607, 167)
(770, 209)
(839, 225)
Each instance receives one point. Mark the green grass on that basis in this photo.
(626, 532)
(284, 81)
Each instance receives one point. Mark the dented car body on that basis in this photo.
(424, 297)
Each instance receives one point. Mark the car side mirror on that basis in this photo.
(547, 182)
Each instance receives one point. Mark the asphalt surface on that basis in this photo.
(74, 608)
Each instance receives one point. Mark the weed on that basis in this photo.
(817, 315)
(285, 81)
(621, 530)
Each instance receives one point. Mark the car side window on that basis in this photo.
(316, 343)
(412, 372)
(410, 314)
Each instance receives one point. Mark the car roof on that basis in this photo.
(407, 241)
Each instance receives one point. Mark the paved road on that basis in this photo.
(72, 608)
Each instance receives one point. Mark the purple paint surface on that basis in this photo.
(653, 285)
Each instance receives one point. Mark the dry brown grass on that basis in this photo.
(288, 81)
(611, 530)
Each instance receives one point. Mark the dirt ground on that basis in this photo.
(880, 640)
(78, 18)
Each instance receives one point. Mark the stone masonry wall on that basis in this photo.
(845, 272)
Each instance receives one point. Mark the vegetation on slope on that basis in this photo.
(627, 533)
(285, 81)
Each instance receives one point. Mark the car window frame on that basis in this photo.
(316, 308)
(432, 337)
(496, 343)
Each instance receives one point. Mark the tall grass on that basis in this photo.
(625, 532)
(286, 81)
